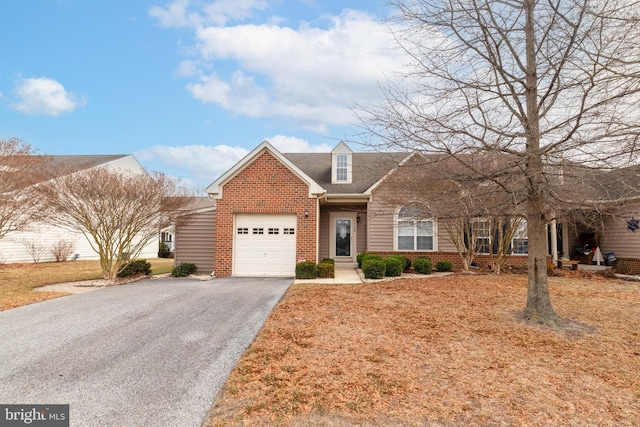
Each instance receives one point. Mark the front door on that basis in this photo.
(343, 237)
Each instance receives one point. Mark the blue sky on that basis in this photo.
(188, 86)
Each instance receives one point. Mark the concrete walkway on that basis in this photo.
(342, 275)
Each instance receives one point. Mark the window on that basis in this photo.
(274, 231)
(414, 231)
(243, 231)
(258, 231)
(288, 231)
(481, 231)
(520, 241)
(342, 167)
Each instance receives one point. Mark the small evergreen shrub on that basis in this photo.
(183, 269)
(359, 258)
(328, 260)
(326, 270)
(394, 265)
(406, 261)
(422, 265)
(306, 270)
(371, 256)
(135, 267)
(442, 266)
(373, 268)
(163, 250)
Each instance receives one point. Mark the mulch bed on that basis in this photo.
(443, 351)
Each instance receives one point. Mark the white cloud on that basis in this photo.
(44, 96)
(292, 144)
(220, 12)
(312, 75)
(207, 162)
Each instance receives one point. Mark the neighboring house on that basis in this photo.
(41, 237)
(273, 210)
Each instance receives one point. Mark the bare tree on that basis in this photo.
(118, 213)
(538, 85)
(20, 170)
(35, 248)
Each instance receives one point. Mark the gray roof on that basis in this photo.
(81, 162)
(367, 169)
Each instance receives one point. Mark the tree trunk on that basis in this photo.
(539, 308)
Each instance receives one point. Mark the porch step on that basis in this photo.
(345, 264)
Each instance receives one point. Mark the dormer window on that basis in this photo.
(341, 167)
(341, 164)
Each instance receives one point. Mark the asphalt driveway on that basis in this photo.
(151, 353)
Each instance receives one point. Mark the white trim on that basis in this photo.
(215, 188)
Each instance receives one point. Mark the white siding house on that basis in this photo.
(41, 237)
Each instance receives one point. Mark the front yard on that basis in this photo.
(447, 351)
(18, 281)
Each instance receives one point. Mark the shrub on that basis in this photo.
(422, 265)
(163, 250)
(373, 268)
(135, 267)
(444, 266)
(371, 256)
(184, 269)
(406, 262)
(328, 260)
(62, 249)
(326, 269)
(306, 270)
(394, 265)
(359, 258)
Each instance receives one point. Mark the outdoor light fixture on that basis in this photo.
(358, 219)
(306, 213)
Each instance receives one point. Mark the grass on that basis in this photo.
(17, 281)
(449, 351)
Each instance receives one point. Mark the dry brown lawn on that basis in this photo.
(18, 281)
(448, 351)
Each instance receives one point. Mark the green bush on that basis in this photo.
(373, 268)
(394, 265)
(444, 266)
(326, 270)
(371, 256)
(135, 267)
(359, 258)
(306, 270)
(163, 250)
(328, 260)
(184, 269)
(422, 265)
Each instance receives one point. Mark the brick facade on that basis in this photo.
(627, 266)
(265, 186)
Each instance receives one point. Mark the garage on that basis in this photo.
(264, 245)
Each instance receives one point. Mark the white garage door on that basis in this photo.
(265, 245)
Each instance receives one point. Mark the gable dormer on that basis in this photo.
(341, 164)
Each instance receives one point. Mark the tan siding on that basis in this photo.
(444, 241)
(380, 230)
(195, 241)
(619, 240)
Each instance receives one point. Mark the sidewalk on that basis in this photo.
(345, 276)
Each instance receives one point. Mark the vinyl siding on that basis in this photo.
(45, 236)
(195, 240)
(618, 239)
